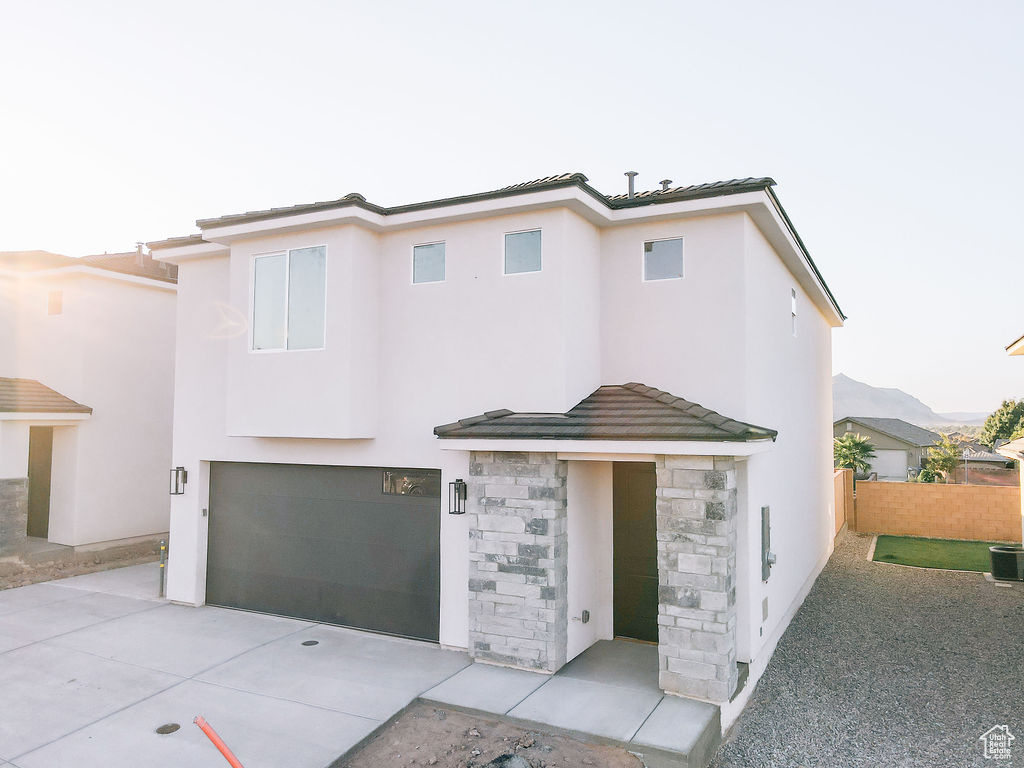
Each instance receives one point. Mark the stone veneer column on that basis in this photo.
(696, 506)
(13, 514)
(518, 600)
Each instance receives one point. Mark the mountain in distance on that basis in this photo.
(855, 398)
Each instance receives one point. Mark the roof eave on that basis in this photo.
(736, 448)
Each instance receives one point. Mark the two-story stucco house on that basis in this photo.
(625, 396)
(86, 376)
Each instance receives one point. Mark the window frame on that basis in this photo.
(643, 259)
(287, 253)
(412, 263)
(504, 253)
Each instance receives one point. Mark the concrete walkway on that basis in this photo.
(888, 666)
(91, 666)
(610, 691)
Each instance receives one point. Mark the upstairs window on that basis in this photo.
(663, 259)
(522, 252)
(428, 263)
(288, 299)
(55, 302)
(792, 310)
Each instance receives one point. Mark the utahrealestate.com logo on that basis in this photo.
(998, 741)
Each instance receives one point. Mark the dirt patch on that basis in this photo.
(20, 575)
(443, 738)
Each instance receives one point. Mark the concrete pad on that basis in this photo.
(680, 725)
(179, 639)
(31, 596)
(52, 619)
(49, 692)
(347, 671)
(487, 688)
(140, 581)
(580, 705)
(262, 732)
(617, 662)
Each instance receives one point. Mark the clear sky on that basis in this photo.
(892, 128)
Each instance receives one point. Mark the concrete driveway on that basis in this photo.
(91, 666)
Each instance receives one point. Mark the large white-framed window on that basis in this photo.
(289, 299)
(663, 259)
(428, 262)
(522, 252)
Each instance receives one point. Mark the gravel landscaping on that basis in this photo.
(888, 666)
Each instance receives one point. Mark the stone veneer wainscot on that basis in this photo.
(518, 568)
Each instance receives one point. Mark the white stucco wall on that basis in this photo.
(787, 387)
(480, 341)
(589, 511)
(111, 348)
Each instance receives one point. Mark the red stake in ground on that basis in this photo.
(218, 742)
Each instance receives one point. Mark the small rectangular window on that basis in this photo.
(288, 299)
(428, 263)
(792, 297)
(55, 302)
(663, 259)
(522, 252)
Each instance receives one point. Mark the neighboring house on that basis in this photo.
(86, 397)
(900, 447)
(332, 361)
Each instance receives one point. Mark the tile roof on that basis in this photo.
(627, 412)
(715, 189)
(123, 263)
(898, 429)
(30, 261)
(128, 264)
(30, 396)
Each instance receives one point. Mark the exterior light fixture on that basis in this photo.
(179, 476)
(457, 493)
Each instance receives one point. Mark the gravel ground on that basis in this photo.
(888, 666)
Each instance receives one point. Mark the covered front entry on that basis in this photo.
(635, 551)
(355, 546)
(528, 512)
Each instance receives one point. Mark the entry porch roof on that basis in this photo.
(631, 413)
(22, 398)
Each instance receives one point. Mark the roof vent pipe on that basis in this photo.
(139, 258)
(665, 183)
(632, 192)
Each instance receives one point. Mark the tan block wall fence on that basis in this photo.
(938, 511)
(842, 481)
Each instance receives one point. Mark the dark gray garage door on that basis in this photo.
(327, 544)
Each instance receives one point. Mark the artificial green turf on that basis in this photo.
(934, 553)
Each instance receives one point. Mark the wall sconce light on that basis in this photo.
(457, 493)
(179, 476)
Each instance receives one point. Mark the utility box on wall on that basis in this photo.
(767, 557)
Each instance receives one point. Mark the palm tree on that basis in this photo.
(853, 451)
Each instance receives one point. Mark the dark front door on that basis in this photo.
(355, 546)
(635, 550)
(40, 464)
